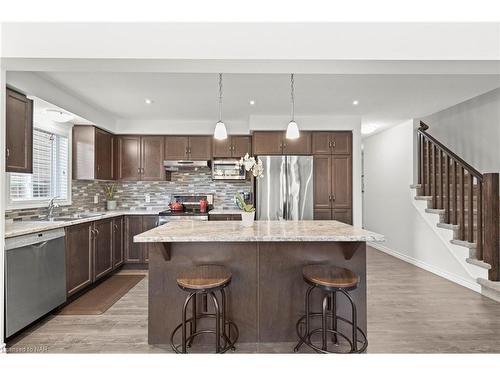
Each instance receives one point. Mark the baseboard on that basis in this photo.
(472, 285)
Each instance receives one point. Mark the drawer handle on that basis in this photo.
(39, 246)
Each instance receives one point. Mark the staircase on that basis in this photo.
(466, 202)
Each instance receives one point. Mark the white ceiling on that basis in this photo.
(383, 99)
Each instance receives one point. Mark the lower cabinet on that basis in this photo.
(136, 224)
(323, 214)
(343, 215)
(224, 217)
(93, 250)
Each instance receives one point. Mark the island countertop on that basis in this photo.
(260, 231)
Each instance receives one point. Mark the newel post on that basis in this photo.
(491, 249)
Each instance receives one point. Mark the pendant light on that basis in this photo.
(292, 130)
(220, 131)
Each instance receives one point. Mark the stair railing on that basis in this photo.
(453, 185)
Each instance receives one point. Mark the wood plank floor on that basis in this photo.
(409, 311)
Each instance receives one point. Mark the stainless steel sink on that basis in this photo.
(53, 219)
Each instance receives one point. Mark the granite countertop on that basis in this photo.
(261, 231)
(19, 228)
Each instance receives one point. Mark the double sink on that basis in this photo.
(68, 218)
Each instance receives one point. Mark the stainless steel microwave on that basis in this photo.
(227, 169)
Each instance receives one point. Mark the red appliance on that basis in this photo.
(203, 205)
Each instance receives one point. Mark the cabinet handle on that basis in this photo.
(284, 145)
(333, 197)
(333, 144)
(116, 227)
(8, 152)
(97, 232)
(329, 144)
(139, 170)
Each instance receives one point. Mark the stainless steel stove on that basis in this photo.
(191, 209)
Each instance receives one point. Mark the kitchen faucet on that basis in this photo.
(50, 207)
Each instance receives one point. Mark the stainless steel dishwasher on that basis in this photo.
(35, 281)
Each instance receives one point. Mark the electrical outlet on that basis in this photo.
(96, 198)
(147, 197)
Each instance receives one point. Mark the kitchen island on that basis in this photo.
(266, 295)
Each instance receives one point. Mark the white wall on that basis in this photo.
(388, 171)
(178, 126)
(471, 130)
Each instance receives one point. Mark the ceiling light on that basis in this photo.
(252, 102)
(220, 131)
(368, 128)
(355, 102)
(148, 101)
(58, 115)
(292, 130)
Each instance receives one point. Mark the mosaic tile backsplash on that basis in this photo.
(132, 194)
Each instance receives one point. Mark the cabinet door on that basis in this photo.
(117, 242)
(224, 217)
(299, 146)
(322, 181)
(341, 143)
(133, 250)
(148, 222)
(200, 148)
(176, 148)
(267, 143)
(323, 214)
(152, 157)
(78, 257)
(129, 157)
(19, 133)
(321, 143)
(222, 148)
(341, 181)
(103, 155)
(103, 250)
(242, 144)
(343, 215)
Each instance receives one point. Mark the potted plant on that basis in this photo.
(110, 191)
(250, 164)
(248, 214)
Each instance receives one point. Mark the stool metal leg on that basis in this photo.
(333, 305)
(193, 322)
(354, 321)
(184, 318)
(306, 333)
(217, 322)
(324, 328)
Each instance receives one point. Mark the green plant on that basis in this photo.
(242, 205)
(110, 191)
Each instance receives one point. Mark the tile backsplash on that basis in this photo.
(132, 194)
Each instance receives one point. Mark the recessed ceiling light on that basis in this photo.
(369, 128)
(148, 101)
(355, 102)
(252, 102)
(57, 115)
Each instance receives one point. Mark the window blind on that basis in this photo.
(50, 170)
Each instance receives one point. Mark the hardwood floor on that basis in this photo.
(409, 311)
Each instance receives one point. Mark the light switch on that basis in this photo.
(147, 197)
(96, 198)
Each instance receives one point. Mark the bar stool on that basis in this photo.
(205, 280)
(329, 280)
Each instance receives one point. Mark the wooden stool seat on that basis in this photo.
(207, 276)
(330, 276)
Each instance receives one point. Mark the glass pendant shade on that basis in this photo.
(220, 131)
(292, 130)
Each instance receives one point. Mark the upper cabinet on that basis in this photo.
(140, 158)
(234, 146)
(19, 133)
(332, 143)
(92, 153)
(276, 143)
(198, 147)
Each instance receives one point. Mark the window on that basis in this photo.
(51, 173)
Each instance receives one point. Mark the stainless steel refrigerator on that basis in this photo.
(286, 190)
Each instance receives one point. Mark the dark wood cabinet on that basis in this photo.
(19, 133)
(323, 214)
(78, 257)
(141, 158)
(235, 146)
(275, 143)
(322, 181)
(343, 215)
(93, 156)
(136, 224)
(197, 147)
(341, 181)
(224, 217)
(102, 246)
(117, 242)
(332, 143)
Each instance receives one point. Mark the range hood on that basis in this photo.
(175, 165)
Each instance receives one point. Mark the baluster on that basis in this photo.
(419, 158)
(428, 169)
(441, 179)
(447, 188)
(434, 182)
(471, 209)
(479, 236)
(422, 163)
(462, 203)
(454, 186)
(491, 248)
